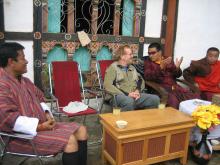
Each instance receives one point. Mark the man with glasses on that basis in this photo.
(123, 81)
(164, 71)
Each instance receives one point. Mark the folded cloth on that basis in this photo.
(74, 107)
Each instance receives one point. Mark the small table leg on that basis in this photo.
(183, 160)
(104, 160)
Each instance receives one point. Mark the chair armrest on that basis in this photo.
(109, 93)
(159, 89)
(92, 92)
(17, 135)
(49, 100)
(55, 109)
(52, 97)
(191, 86)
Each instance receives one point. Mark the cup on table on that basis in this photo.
(161, 106)
(116, 111)
(121, 123)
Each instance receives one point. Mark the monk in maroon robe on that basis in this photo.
(21, 111)
(163, 71)
(205, 73)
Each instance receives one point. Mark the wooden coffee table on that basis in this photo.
(151, 136)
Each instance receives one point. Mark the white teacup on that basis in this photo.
(121, 123)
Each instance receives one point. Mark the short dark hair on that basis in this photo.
(155, 45)
(9, 50)
(212, 49)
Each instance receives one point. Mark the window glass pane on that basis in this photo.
(54, 9)
(57, 54)
(105, 16)
(18, 16)
(104, 54)
(128, 18)
(145, 52)
(153, 18)
(83, 10)
(83, 58)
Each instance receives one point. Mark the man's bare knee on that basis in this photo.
(72, 145)
(81, 133)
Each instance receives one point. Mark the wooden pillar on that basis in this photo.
(45, 17)
(37, 43)
(70, 16)
(117, 17)
(142, 29)
(94, 20)
(54, 16)
(137, 16)
(170, 27)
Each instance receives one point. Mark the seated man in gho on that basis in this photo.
(205, 73)
(21, 111)
(123, 81)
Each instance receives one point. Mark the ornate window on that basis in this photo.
(92, 16)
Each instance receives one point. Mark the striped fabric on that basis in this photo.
(23, 98)
(1, 71)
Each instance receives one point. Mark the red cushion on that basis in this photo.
(88, 111)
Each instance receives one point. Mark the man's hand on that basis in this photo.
(165, 62)
(47, 125)
(135, 94)
(178, 62)
(196, 85)
(48, 116)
